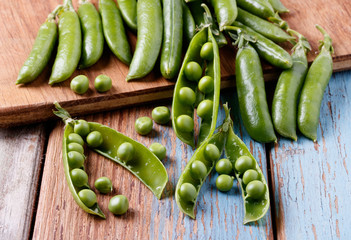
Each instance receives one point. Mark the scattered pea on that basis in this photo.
(206, 84)
(103, 83)
(244, 163)
(118, 205)
(255, 189)
(250, 175)
(198, 170)
(82, 128)
(94, 139)
(79, 177)
(161, 115)
(187, 192)
(224, 182)
(211, 153)
(103, 185)
(143, 125)
(207, 51)
(205, 109)
(159, 150)
(80, 84)
(75, 159)
(88, 197)
(193, 71)
(224, 166)
(185, 123)
(75, 138)
(75, 147)
(187, 96)
(125, 152)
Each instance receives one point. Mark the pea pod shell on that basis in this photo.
(278, 6)
(253, 210)
(145, 165)
(226, 12)
(260, 8)
(188, 25)
(150, 29)
(129, 12)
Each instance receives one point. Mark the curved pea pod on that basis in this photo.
(260, 8)
(114, 31)
(316, 81)
(129, 12)
(69, 46)
(264, 27)
(252, 95)
(150, 29)
(41, 50)
(278, 6)
(226, 12)
(171, 52)
(93, 37)
(95, 209)
(188, 25)
(253, 209)
(187, 176)
(285, 99)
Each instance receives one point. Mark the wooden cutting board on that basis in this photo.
(20, 21)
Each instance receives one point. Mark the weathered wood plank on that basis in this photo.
(312, 182)
(20, 160)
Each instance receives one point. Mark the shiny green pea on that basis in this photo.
(255, 189)
(185, 123)
(224, 182)
(187, 192)
(198, 170)
(94, 139)
(161, 115)
(75, 159)
(88, 197)
(118, 205)
(82, 128)
(250, 175)
(75, 138)
(187, 96)
(79, 177)
(103, 185)
(143, 125)
(159, 150)
(224, 166)
(207, 51)
(205, 109)
(244, 163)
(206, 84)
(125, 152)
(103, 83)
(211, 153)
(80, 84)
(193, 71)
(75, 147)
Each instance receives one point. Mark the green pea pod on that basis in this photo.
(226, 12)
(278, 6)
(93, 38)
(260, 8)
(114, 31)
(267, 49)
(171, 52)
(150, 29)
(316, 81)
(188, 25)
(129, 12)
(253, 209)
(284, 106)
(187, 176)
(69, 46)
(252, 96)
(41, 51)
(266, 28)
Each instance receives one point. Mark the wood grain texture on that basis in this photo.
(218, 215)
(20, 159)
(20, 21)
(312, 181)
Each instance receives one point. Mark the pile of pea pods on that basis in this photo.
(164, 30)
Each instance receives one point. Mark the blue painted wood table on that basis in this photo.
(310, 183)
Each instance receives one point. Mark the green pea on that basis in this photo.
(75, 138)
(206, 84)
(187, 192)
(185, 123)
(159, 150)
(118, 205)
(79, 177)
(198, 170)
(207, 51)
(224, 166)
(75, 147)
(187, 96)
(88, 197)
(161, 115)
(143, 125)
(82, 128)
(103, 185)
(103, 83)
(193, 71)
(94, 139)
(250, 175)
(255, 189)
(80, 84)
(205, 109)
(211, 153)
(224, 182)
(125, 152)
(75, 159)
(244, 163)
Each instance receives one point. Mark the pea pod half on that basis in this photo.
(41, 50)
(129, 12)
(70, 44)
(254, 209)
(316, 81)
(260, 8)
(192, 178)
